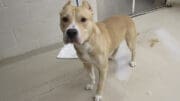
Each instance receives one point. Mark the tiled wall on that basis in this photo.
(29, 24)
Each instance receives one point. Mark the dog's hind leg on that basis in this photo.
(131, 43)
(90, 70)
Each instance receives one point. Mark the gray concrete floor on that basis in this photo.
(42, 77)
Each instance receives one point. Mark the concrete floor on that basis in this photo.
(42, 77)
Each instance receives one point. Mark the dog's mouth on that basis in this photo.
(73, 41)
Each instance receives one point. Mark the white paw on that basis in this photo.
(89, 86)
(97, 98)
(132, 64)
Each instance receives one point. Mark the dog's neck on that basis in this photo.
(95, 31)
(88, 43)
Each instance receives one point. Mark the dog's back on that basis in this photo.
(117, 28)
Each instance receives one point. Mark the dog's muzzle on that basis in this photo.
(72, 35)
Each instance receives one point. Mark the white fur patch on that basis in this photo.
(89, 86)
(73, 25)
(132, 64)
(97, 98)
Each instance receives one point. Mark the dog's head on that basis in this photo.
(76, 22)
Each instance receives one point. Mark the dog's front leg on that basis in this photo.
(90, 70)
(102, 68)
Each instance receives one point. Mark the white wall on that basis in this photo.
(107, 8)
(29, 24)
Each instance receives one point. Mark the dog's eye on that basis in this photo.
(65, 19)
(83, 19)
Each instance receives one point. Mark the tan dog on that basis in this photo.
(94, 42)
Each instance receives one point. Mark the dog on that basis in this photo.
(96, 42)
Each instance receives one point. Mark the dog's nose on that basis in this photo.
(71, 33)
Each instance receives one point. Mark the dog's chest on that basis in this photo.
(85, 53)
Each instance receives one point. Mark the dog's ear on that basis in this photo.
(67, 4)
(87, 5)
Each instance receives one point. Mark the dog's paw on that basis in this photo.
(132, 64)
(89, 86)
(97, 98)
